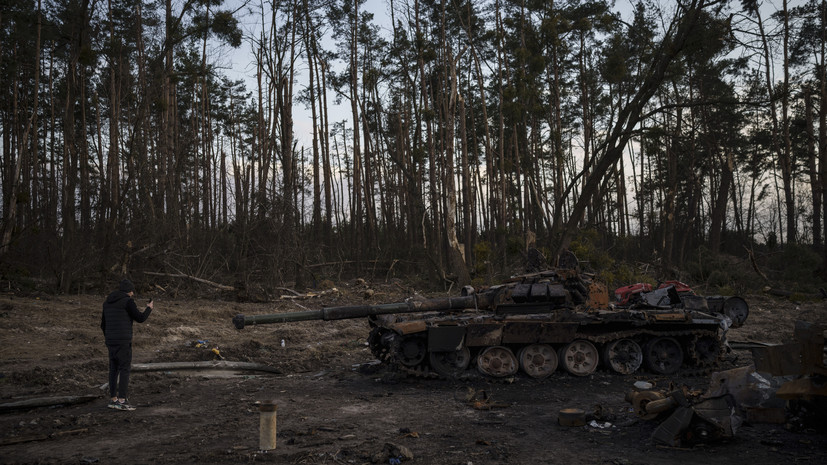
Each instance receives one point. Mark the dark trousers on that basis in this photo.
(120, 363)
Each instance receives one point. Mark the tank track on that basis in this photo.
(699, 364)
(695, 335)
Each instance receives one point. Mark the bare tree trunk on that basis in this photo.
(587, 132)
(822, 125)
(720, 206)
(23, 150)
(455, 259)
(815, 182)
(466, 185)
(431, 238)
(777, 148)
(500, 194)
(328, 172)
(785, 156)
(669, 212)
(357, 153)
(630, 115)
(309, 37)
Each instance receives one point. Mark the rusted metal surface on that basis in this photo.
(804, 358)
(802, 388)
(811, 338)
(522, 332)
(670, 431)
(484, 335)
(409, 327)
(684, 421)
(778, 360)
(776, 415)
(598, 296)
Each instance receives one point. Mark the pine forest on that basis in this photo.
(441, 139)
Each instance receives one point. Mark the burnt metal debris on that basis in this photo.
(801, 366)
(686, 417)
(787, 383)
(538, 321)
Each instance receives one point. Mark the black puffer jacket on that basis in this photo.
(119, 310)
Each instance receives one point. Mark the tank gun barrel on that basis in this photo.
(361, 311)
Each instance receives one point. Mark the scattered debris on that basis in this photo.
(201, 343)
(595, 424)
(803, 359)
(392, 453)
(748, 388)
(481, 400)
(643, 385)
(761, 393)
(571, 417)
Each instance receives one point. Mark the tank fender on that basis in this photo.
(409, 327)
(445, 338)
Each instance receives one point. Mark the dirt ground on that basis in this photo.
(334, 405)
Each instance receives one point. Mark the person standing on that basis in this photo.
(119, 311)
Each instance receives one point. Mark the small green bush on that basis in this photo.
(794, 268)
(586, 246)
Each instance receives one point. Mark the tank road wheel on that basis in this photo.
(451, 364)
(623, 356)
(497, 361)
(579, 357)
(538, 360)
(704, 350)
(737, 310)
(379, 341)
(663, 355)
(411, 350)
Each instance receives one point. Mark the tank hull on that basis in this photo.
(538, 323)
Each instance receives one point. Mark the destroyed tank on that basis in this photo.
(538, 321)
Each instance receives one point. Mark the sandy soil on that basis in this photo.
(334, 405)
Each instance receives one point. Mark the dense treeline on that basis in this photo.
(474, 129)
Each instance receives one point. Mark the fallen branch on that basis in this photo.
(204, 365)
(46, 402)
(782, 293)
(755, 264)
(342, 262)
(223, 287)
(285, 289)
(309, 295)
(40, 437)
